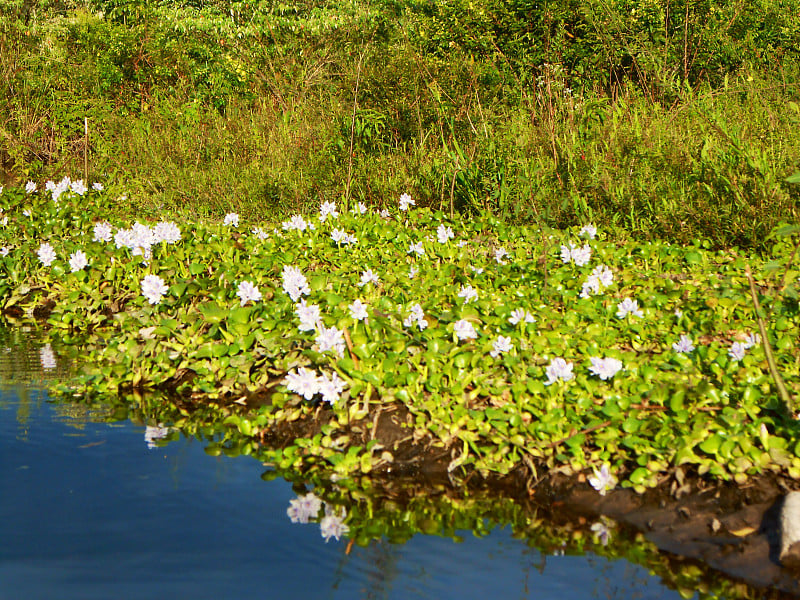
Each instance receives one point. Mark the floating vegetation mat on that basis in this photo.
(358, 340)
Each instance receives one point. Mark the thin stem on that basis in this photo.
(773, 369)
(86, 150)
(353, 127)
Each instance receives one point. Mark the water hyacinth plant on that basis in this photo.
(500, 351)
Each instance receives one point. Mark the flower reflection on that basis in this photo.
(154, 433)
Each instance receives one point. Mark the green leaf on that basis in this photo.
(196, 268)
(793, 178)
(241, 314)
(639, 476)
(711, 444)
(213, 312)
(693, 258)
(784, 230)
(676, 401)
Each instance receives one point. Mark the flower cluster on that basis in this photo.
(500, 346)
(140, 238)
(605, 368)
(65, 185)
(406, 202)
(519, 315)
(588, 231)
(166, 232)
(738, 350)
(332, 524)
(416, 248)
(416, 316)
(294, 283)
(558, 369)
(369, 276)
(248, 292)
(628, 307)
(46, 254)
(468, 293)
(102, 232)
(464, 330)
(603, 480)
(328, 209)
(78, 261)
(340, 236)
(601, 277)
(309, 314)
(358, 310)
(153, 288)
(330, 338)
(684, 345)
(444, 233)
(304, 509)
(259, 233)
(580, 256)
(306, 383)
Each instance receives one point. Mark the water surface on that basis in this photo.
(90, 509)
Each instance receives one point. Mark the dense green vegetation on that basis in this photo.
(674, 119)
(499, 347)
(529, 343)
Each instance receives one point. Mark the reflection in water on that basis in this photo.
(27, 361)
(152, 434)
(113, 514)
(47, 358)
(306, 509)
(602, 530)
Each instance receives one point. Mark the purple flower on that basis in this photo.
(603, 480)
(500, 346)
(684, 345)
(464, 330)
(605, 368)
(302, 381)
(332, 524)
(628, 307)
(558, 369)
(738, 350)
(330, 338)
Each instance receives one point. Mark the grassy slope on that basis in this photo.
(200, 112)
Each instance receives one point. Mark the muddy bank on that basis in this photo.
(731, 528)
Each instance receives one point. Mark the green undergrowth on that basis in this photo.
(673, 120)
(479, 330)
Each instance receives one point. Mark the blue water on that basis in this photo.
(89, 511)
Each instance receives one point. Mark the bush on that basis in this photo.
(604, 43)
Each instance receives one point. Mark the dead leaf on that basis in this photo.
(744, 531)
